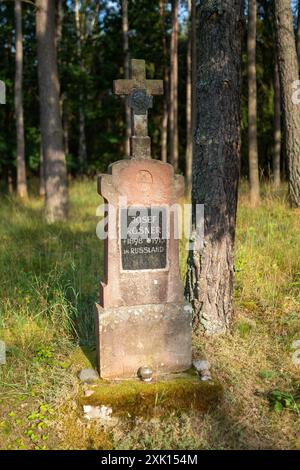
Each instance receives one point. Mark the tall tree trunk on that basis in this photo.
(82, 152)
(21, 167)
(277, 128)
(173, 115)
(252, 105)
(194, 64)
(126, 71)
(65, 122)
(164, 131)
(189, 145)
(50, 115)
(289, 74)
(298, 34)
(42, 173)
(216, 163)
(59, 20)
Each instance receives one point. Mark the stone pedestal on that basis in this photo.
(156, 335)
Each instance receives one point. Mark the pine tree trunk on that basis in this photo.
(277, 129)
(59, 21)
(21, 167)
(216, 162)
(164, 130)
(173, 115)
(289, 74)
(42, 173)
(189, 147)
(194, 64)
(298, 34)
(125, 29)
(252, 105)
(65, 119)
(82, 152)
(50, 115)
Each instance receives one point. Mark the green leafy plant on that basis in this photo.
(281, 400)
(267, 374)
(44, 355)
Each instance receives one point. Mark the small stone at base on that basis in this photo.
(206, 378)
(88, 376)
(201, 364)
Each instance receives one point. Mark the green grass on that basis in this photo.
(49, 277)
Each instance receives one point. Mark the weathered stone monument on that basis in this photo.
(142, 318)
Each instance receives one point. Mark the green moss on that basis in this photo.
(175, 393)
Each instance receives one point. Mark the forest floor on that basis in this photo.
(49, 278)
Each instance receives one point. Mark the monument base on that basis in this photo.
(156, 335)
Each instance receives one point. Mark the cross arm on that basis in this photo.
(123, 87)
(155, 87)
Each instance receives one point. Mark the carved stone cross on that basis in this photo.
(2, 93)
(139, 92)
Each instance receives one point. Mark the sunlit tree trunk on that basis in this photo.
(252, 105)
(298, 34)
(59, 21)
(164, 130)
(189, 148)
(194, 64)
(50, 115)
(289, 74)
(277, 128)
(82, 152)
(65, 122)
(216, 162)
(173, 112)
(125, 29)
(42, 173)
(21, 167)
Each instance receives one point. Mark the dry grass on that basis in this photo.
(49, 281)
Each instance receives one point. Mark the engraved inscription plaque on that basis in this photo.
(144, 238)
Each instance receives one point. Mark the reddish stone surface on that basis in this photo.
(157, 336)
(148, 183)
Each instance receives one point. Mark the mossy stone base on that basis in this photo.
(175, 392)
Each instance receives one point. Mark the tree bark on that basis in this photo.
(194, 64)
(50, 115)
(173, 114)
(277, 129)
(252, 105)
(21, 166)
(42, 173)
(298, 34)
(65, 121)
(289, 74)
(216, 163)
(189, 144)
(125, 29)
(59, 21)
(82, 152)
(164, 130)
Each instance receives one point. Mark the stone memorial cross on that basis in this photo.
(142, 319)
(139, 92)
